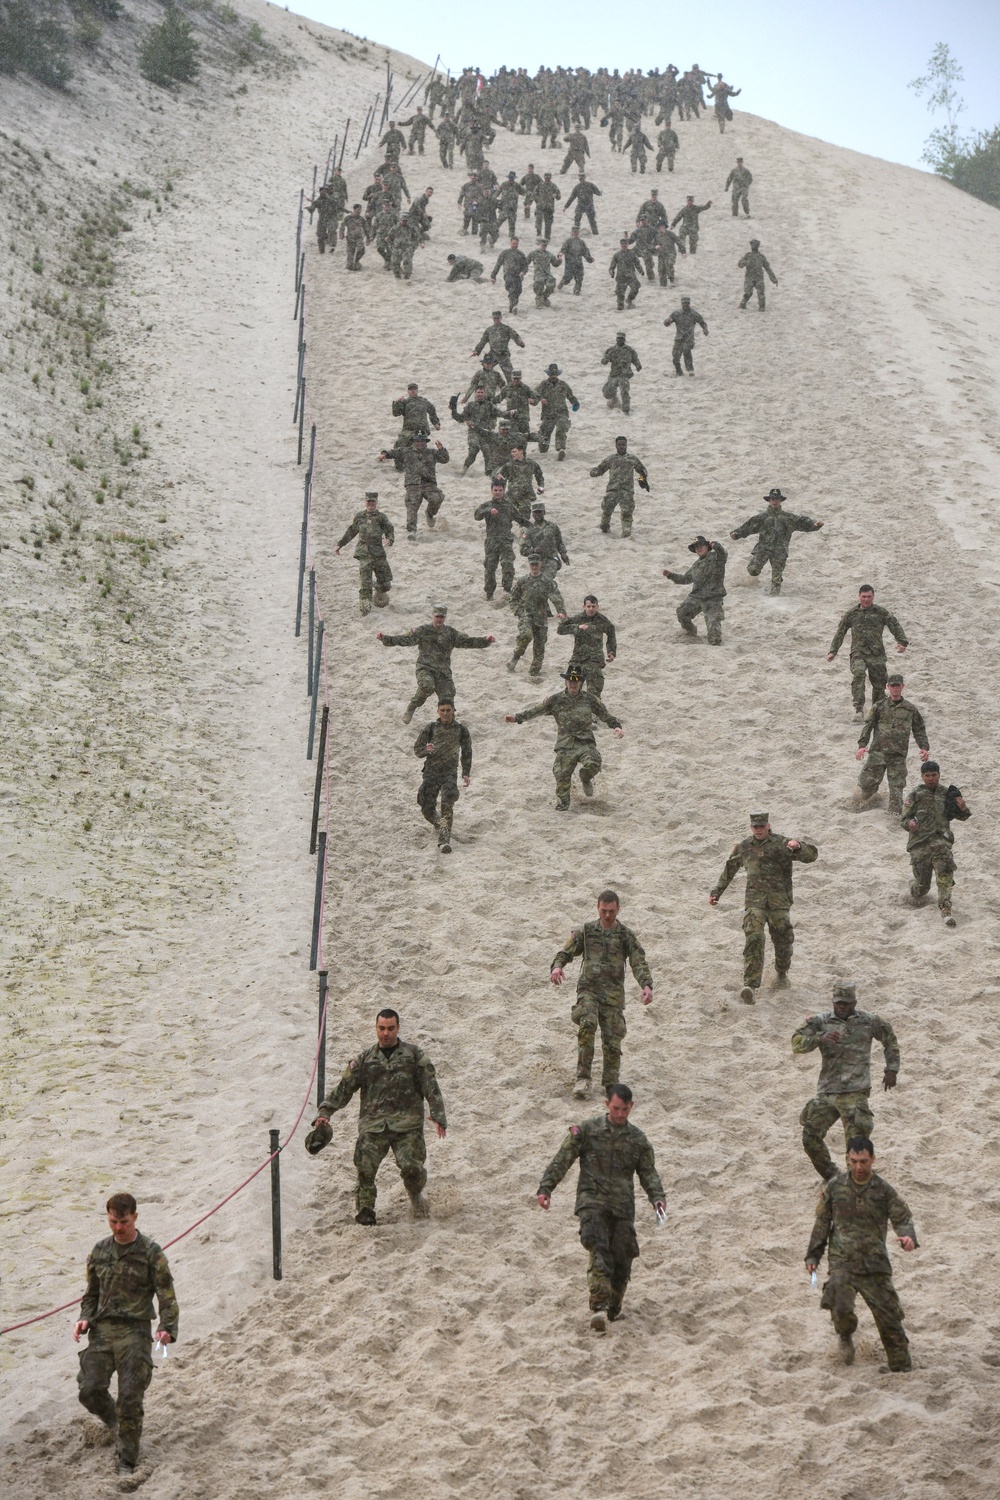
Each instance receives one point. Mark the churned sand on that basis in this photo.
(160, 1013)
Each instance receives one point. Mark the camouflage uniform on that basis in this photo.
(326, 206)
(851, 1222)
(578, 151)
(768, 898)
(574, 252)
(621, 469)
(418, 415)
(354, 233)
(499, 542)
(556, 398)
(867, 648)
(845, 1080)
(933, 809)
(440, 778)
(520, 475)
(464, 268)
(480, 419)
(434, 647)
(637, 145)
(707, 577)
(667, 246)
(624, 269)
(118, 1305)
(530, 182)
(687, 218)
(600, 991)
(418, 126)
(739, 180)
(384, 225)
(547, 195)
(609, 1156)
(529, 599)
(520, 398)
(545, 538)
(419, 469)
(507, 202)
(394, 1085)
(372, 529)
(589, 649)
(394, 142)
(447, 134)
(755, 265)
(543, 282)
(498, 338)
(668, 146)
(618, 386)
(888, 727)
(684, 321)
(575, 743)
(643, 237)
(773, 529)
(583, 196)
(492, 381)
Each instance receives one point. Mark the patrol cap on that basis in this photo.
(754, 244)
(620, 334)
(419, 437)
(412, 386)
(439, 609)
(321, 1135)
(373, 495)
(653, 192)
(538, 505)
(534, 560)
(504, 422)
(702, 541)
(623, 241)
(515, 374)
(775, 494)
(496, 313)
(895, 680)
(759, 820)
(685, 301)
(512, 176)
(845, 989)
(574, 673)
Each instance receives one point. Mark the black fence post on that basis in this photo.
(302, 410)
(298, 238)
(303, 548)
(324, 726)
(321, 1051)
(313, 198)
(298, 383)
(318, 902)
(343, 144)
(275, 1137)
(312, 627)
(317, 669)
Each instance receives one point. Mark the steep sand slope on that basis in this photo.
(456, 1355)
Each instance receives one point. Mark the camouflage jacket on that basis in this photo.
(451, 742)
(605, 954)
(122, 1281)
(774, 529)
(372, 529)
(932, 810)
(419, 468)
(493, 382)
(685, 321)
(889, 726)
(418, 414)
(624, 264)
(866, 627)
(637, 143)
(688, 216)
(768, 864)
(610, 1157)
(574, 717)
(654, 211)
(393, 1088)
(584, 193)
(547, 194)
(739, 178)
(621, 358)
(621, 469)
(513, 264)
(574, 251)
(435, 644)
(530, 598)
(554, 394)
(667, 140)
(464, 265)
(354, 229)
(755, 265)
(846, 1065)
(520, 398)
(530, 183)
(541, 263)
(668, 243)
(589, 632)
(498, 527)
(851, 1224)
(482, 415)
(706, 575)
(498, 336)
(522, 474)
(546, 539)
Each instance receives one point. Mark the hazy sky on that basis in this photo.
(836, 70)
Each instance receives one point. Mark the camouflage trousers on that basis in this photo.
(543, 287)
(595, 674)
(431, 681)
(753, 284)
(933, 859)
(117, 1344)
(573, 157)
(876, 765)
(839, 1292)
(665, 263)
(559, 424)
(415, 495)
(668, 157)
(626, 290)
(410, 1151)
(589, 1013)
(401, 261)
(854, 1113)
(533, 633)
(611, 502)
(446, 151)
(374, 567)
(514, 286)
(876, 671)
(713, 611)
(499, 554)
(761, 555)
(689, 237)
(543, 222)
(757, 919)
(638, 160)
(439, 782)
(683, 349)
(585, 756)
(573, 272)
(741, 195)
(612, 1246)
(618, 388)
(326, 232)
(355, 252)
(580, 212)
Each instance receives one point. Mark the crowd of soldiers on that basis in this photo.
(396, 1080)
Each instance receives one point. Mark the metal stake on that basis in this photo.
(275, 1137)
(324, 725)
(318, 902)
(321, 1053)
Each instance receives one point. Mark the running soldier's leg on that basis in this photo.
(612, 1023)
(817, 1117)
(782, 938)
(584, 1016)
(369, 1154)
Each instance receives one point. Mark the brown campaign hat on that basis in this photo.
(775, 494)
(701, 541)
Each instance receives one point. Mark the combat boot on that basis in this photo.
(408, 712)
(587, 782)
(599, 1320)
(562, 805)
(615, 1313)
(366, 606)
(782, 981)
(748, 994)
(419, 1207)
(949, 920)
(846, 1349)
(581, 1089)
(365, 1216)
(512, 664)
(381, 599)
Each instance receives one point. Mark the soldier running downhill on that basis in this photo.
(927, 816)
(440, 745)
(773, 529)
(574, 712)
(374, 532)
(867, 621)
(707, 577)
(435, 643)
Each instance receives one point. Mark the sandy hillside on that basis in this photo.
(456, 1356)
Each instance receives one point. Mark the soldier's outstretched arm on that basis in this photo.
(839, 634)
(566, 955)
(637, 962)
(805, 853)
(166, 1300)
(896, 630)
(729, 871)
(462, 642)
(884, 1033)
(598, 708)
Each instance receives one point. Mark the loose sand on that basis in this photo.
(158, 1031)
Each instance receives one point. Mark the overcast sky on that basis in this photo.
(835, 70)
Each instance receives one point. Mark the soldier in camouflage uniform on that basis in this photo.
(530, 182)
(889, 724)
(418, 126)
(583, 196)
(653, 210)
(589, 631)
(507, 202)
(419, 465)
(578, 152)
(684, 320)
(844, 1037)
(374, 532)
(707, 577)
(767, 858)
(529, 599)
(439, 745)
(666, 247)
(514, 265)
(687, 218)
(643, 238)
(395, 1079)
(124, 1273)
(622, 469)
(417, 413)
(855, 1210)
(605, 946)
(521, 474)
(547, 195)
(610, 1152)
(447, 134)
(866, 622)
(927, 817)
(556, 399)
(498, 513)
(544, 537)
(325, 205)
(624, 271)
(435, 643)
(773, 529)
(490, 378)
(354, 233)
(480, 418)
(499, 337)
(394, 141)
(618, 386)
(464, 268)
(543, 283)
(668, 146)
(520, 398)
(574, 252)
(574, 712)
(637, 145)
(755, 265)
(739, 180)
